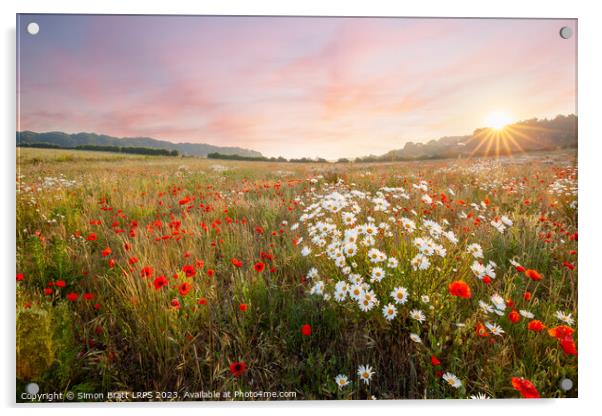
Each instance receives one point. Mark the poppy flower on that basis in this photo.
(202, 301)
(435, 361)
(243, 307)
(481, 330)
(159, 282)
(561, 331)
(238, 368)
(175, 303)
(60, 283)
(88, 296)
(527, 296)
(236, 262)
(460, 289)
(189, 270)
(111, 263)
(259, 266)
(568, 345)
(306, 330)
(259, 230)
(533, 274)
(92, 237)
(106, 252)
(72, 297)
(525, 387)
(47, 291)
(210, 272)
(514, 316)
(184, 288)
(535, 326)
(147, 271)
(19, 277)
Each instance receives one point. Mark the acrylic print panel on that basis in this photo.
(295, 208)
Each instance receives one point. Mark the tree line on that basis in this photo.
(114, 149)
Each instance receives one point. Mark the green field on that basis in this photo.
(449, 278)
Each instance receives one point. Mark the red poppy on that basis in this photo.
(527, 296)
(481, 330)
(306, 330)
(92, 237)
(460, 289)
(259, 230)
(72, 297)
(435, 361)
(19, 277)
(60, 283)
(210, 272)
(238, 368)
(535, 326)
(189, 270)
(561, 331)
(259, 266)
(111, 263)
(525, 387)
(520, 269)
(202, 301)
(175, 303)
(159, 282)
(88, 296)
(514, 316)
(568, 345)
(133, 260)
(147, 271)
(47, 291)
(243, 307)
(533, 274)
(184, 288)
(236, 262)
(107, 251)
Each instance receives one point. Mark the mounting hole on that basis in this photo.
(33, 28)
(566, 32)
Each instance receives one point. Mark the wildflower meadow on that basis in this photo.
(190, 277)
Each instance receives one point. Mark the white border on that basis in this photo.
(590, 67)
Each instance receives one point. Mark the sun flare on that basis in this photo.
(498, 120)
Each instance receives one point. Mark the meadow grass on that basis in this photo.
(118, 331)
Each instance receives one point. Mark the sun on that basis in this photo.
(498, 120)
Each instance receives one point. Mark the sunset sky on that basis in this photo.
(329, 87)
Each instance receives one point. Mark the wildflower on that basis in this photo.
(72, 296)
(175, 303)
(479, 396)
(435, 361)
(238, 368)
(147, 271)
(341, 380)
(160, 282)
(400, 295)
(243, 307)
(389, 312)
(365, 373)
(91, 237)
(494, 329)
(259, 266)
(236, 262)
(514, 316)
(533, 274)
(564, 317)
(417, 315)
(306, 330)
(19, 277)
(189, 270)
(535, 326)
(460, 289)
(481, 330)
(452, 380)
(184, 288)
(106, 252)
(415, 338)
(525, 387)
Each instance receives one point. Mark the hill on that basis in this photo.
(523, 136)
(81, 139)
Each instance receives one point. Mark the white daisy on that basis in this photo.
(564, 317)
(389, 312)
(342, 380)
(400, 295)
(365, 373)
(418, 315)
(452, 380)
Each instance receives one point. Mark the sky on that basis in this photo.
(290, 86)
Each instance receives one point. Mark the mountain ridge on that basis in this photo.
(71, 140)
